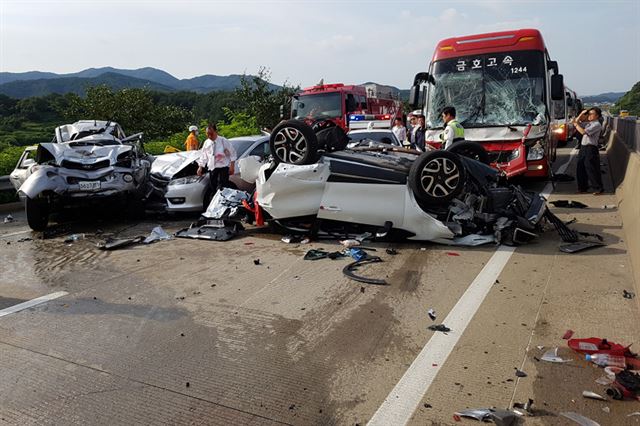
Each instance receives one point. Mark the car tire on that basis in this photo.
(293, 142)
(37, 210)
(437, 177)
(471, 150)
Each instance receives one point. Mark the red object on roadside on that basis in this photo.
(453, 253)
(256, 210)
(456, 418)
(567, 334)
(594, 345)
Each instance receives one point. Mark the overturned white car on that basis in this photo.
(87, 160)
(313, 184)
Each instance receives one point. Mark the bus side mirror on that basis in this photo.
(557, 87)
(553, 65)
(414, 97)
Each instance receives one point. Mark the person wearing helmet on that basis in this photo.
(191, 144)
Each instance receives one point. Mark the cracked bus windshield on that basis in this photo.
(326, 105)
(496, 89)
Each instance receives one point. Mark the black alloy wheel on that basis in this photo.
(437, 177)
(293, 142)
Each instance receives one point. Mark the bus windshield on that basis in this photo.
(496, 89)
(318, 106)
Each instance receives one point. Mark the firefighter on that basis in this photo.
(191, 144)
(453, 131)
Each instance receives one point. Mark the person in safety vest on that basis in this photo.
(453, 130)
(191, 144)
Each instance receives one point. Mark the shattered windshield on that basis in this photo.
(495, 89)
(317, 106)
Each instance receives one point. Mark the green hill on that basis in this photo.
(21, 89)
(630, 101)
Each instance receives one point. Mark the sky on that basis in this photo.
(596, 43)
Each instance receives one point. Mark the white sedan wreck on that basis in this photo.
(87, 160)
(314, 185)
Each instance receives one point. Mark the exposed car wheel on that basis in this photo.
(437, 177)
(37, 210)
(293, 142)
(470, 149)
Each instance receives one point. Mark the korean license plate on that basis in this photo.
(89, 185)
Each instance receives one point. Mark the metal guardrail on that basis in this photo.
(5, 183)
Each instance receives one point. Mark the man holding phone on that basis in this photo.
(588, 169)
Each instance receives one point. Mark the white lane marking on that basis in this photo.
(399, 405)
(31, 303)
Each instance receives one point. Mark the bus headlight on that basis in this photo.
(535, 153)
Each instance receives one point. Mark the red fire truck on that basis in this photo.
(340, 104)
(502, 85)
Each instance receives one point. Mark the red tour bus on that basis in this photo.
(502, 85)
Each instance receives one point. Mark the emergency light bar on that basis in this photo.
(363, 117)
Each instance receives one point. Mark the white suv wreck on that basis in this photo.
(87, 160)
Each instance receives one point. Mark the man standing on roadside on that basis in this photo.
(588, 168)
(399, 130)
(191, 144)
(453, 131)
(216, 155)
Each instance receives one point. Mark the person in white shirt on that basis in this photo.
(216, 155)
(399, 130)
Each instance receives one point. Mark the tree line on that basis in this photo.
(253, 105)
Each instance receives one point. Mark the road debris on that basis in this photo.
(391, 251)
(295, 239)
(452, 253)
(8, 218)
(157, 234)
(439, 327)
(628, 294)
(473, 240)
(256, 261)
(606, 409)
(579, 418)
(552, 356)
(499, 417)
(593, 395)
(350, 268)
(520, 373)
(74, 237)
(567, 334)
(580, 246)
(213, 230)
(569, 204)
(118, 243)
(432, 314)
(350, 243)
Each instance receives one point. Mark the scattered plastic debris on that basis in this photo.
(357, 253)
(439, 327)
(452, 253)
(567, 334)
(499, 417)
(606, 409)
(635, 413)
(579, 418)
(157, 234)
(295, 239)
(432, 314)
(569, 204)
(580, 246)
(391, 251)
(350, 268)
(8, 218)
(540, 347)
(474, 240)
(593, 395)
(552, 356)
(118, 243)
(607, 360)
(628, 294)
(256, 261)
(520, 373)
(525, 406)
(350, 243)
(74, 237)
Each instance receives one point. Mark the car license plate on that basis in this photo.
(90, 185)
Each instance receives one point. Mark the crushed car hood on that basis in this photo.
(85, 154)
(167, 165)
